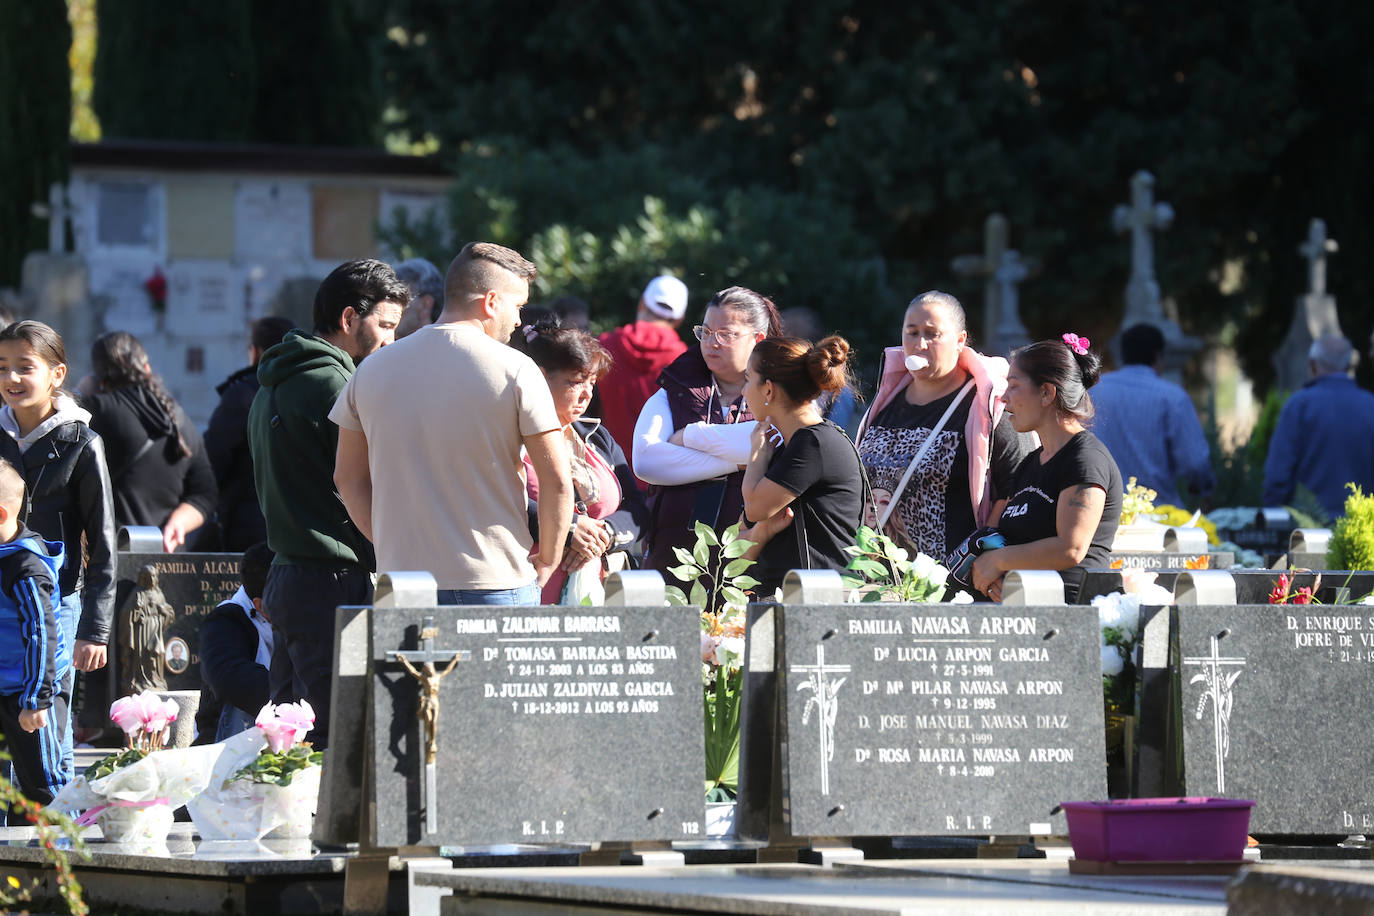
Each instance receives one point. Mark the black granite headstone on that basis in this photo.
(940, 719)
(193, 584)
(1272, 705)
(569, 725)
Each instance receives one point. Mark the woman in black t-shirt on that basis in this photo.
(1065, 497)
(799, 460)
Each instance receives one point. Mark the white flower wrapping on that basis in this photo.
(176, 774)
(243, 810)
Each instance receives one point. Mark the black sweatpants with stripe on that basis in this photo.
(36, 756)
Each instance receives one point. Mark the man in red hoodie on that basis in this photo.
(640, 351)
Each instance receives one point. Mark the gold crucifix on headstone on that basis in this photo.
(429, 676)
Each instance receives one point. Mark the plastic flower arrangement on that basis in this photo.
(286, 755)
(1177, 517)
(718, 573)
(1284, 593)
(1136, 501)
(881, 571)
(144, 719)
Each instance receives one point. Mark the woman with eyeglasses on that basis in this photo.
(938, 450)
(692, 439)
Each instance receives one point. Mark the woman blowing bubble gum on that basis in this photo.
(68, 492)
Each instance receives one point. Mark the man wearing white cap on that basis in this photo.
(640, 350)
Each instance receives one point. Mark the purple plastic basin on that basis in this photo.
(1159, 829)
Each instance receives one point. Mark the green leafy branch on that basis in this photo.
(716, 568)
(52, 828)
(280, 768)
(879, 570)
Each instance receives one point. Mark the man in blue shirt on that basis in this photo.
(1150, 425)
(1325, 434)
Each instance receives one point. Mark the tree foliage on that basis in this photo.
(237, 71)
(35, 100)
(910, 124)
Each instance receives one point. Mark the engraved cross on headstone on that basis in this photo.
(823, 700)
(429, 677)
(1140, 218)
(1219, 691)
(1315, 250)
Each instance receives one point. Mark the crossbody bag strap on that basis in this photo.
(921, 453)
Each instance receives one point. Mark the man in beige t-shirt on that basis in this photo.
(430, 432)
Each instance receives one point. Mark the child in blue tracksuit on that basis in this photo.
(33, 714)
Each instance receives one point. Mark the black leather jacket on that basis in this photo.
(69, 494)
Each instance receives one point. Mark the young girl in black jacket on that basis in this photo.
(68, 492)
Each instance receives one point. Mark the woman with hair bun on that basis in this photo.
(1065, 499)
(798, 459)
(609, 506)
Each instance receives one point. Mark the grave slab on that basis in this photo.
(1007, 886)
(1271, 700)
(553, 725)
(939, 719)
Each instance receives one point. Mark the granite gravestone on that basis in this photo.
(939, 719)
(1106, 581)
(1267, 712)
(193, 584)
(548, 726)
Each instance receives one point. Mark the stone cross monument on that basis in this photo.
(1314, 313)
(1140, 218)
(1010, 333)
(1002, 327)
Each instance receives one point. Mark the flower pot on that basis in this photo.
(135, 823)
(720, 818)
(1159, 829)
(290, 809)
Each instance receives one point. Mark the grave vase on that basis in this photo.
(720, 819)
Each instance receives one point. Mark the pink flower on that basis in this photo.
(126, 714)
(284, 725)
(1134, 580)
(158, 712)
(708, 648)
(298, 715)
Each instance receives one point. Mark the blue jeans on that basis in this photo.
(68, 616)
(524, 596)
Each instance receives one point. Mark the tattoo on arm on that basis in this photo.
(1079, 499)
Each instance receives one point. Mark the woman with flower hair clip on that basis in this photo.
(1065, 498)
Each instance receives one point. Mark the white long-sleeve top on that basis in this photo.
(710, 449)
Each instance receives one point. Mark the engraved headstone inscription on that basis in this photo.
(536, 725)
(192, 583)
(1266, 710)
(1172, 560)
(940, 719)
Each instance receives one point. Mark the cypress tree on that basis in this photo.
(35, 114)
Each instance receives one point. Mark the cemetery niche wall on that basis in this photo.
(535, 725)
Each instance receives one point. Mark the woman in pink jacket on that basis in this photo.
(936, 447)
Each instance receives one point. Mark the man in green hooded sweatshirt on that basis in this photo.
(322, 560)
